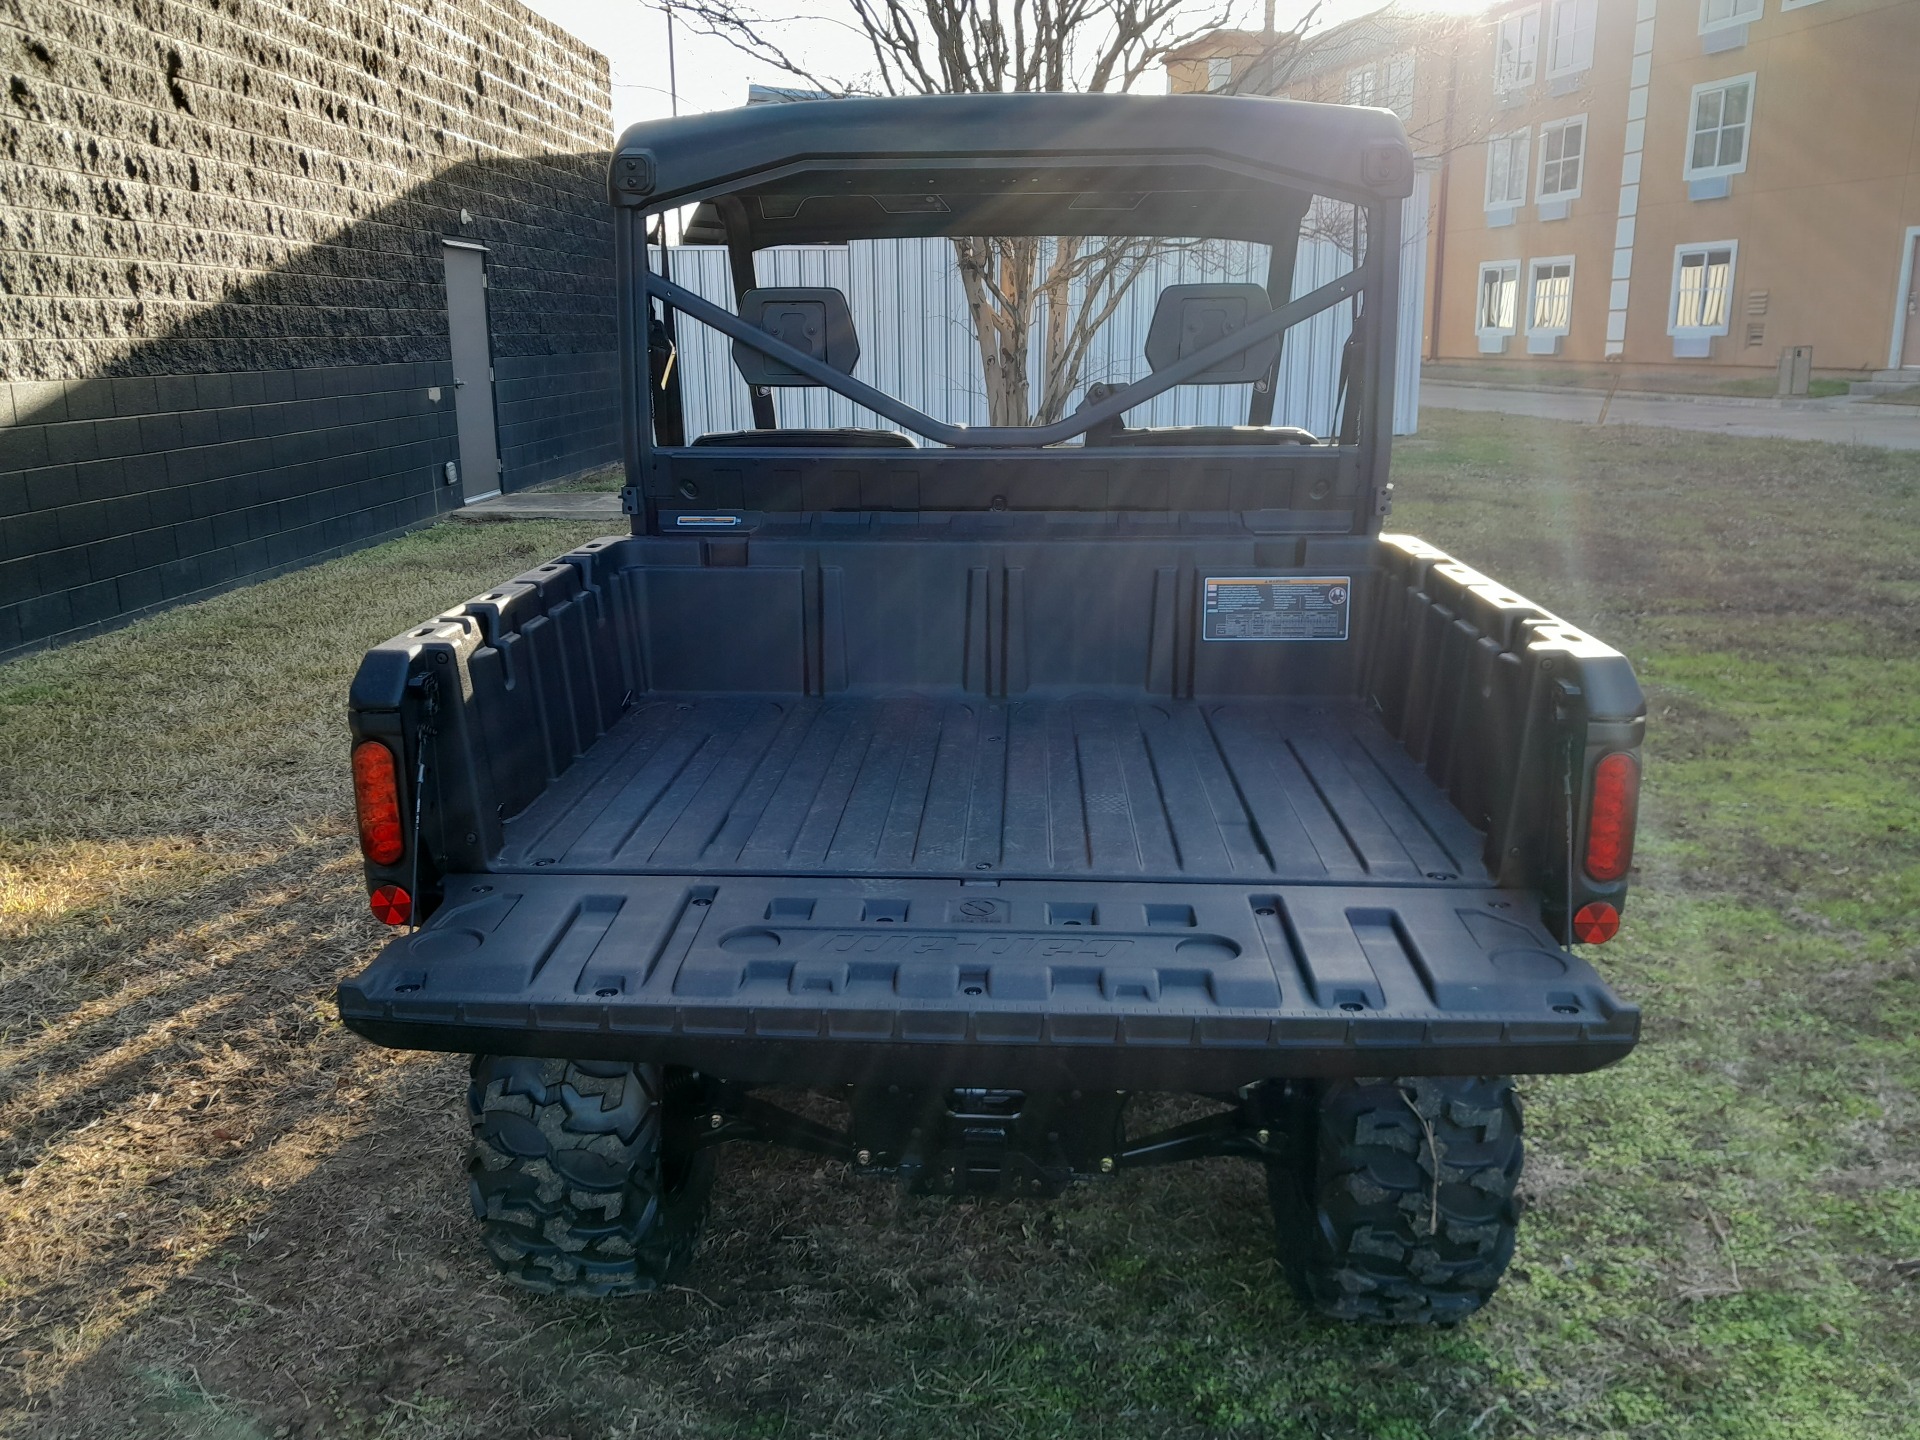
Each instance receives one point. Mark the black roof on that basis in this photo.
(954, 164)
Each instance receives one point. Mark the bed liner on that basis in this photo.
(1087, 785)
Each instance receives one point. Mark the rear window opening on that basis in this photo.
(915, 309)
(994, 305)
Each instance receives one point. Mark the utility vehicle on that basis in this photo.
(980, 778)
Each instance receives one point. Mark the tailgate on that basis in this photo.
(809, 981)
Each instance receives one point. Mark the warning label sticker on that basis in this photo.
(1276, 607)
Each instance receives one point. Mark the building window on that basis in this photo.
(1717, 137)
(1397, 85)
(1516, 50)
(1499, 312)
(1702, 289)
(1219, 73)
(1725, 14)
(1570, 37)
(1388, 85)
(1550, 296)
(1507, 170)
(1563, 147)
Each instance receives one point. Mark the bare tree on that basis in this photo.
(1023, 292)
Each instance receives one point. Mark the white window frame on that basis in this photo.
(1386, 84)
(1586, 11)
(1744, 13)
(1710, 172)
(1523, 169)
(1480, 289)
(1502, 83)
(1401, 66)
(1219, 73)
(1533, 267)
(1540, 194)
(1700, 332)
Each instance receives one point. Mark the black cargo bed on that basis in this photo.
(1086, 786)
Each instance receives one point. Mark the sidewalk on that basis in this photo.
(1893, 427)
(544, 505)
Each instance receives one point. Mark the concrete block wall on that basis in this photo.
(558, 414)
(223, 342)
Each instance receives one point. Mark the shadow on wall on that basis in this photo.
(304, 412)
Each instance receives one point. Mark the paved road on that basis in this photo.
(545, 505)
(1894, 427)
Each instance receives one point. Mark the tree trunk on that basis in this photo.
(997, 275)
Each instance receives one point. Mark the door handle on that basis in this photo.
(459, 384)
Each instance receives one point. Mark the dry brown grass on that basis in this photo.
(178, 896)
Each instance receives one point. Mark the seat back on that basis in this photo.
(1189, 318)
(813, 319)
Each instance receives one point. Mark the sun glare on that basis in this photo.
(1335, 14)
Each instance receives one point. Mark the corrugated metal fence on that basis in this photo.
(916, 337)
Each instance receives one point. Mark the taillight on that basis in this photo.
(1611, 816)
(376, 800)
(391, 905)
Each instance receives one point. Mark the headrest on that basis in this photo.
(1188, 318)
(814, 319)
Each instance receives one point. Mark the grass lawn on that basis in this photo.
(1768, 387)
(223, 1218)
(608, 478)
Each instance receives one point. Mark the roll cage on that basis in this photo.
(1008, 165)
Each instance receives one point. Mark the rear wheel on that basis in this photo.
(582, 1183)
(1400, 1207)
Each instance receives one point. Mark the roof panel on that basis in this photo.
(1338, 147)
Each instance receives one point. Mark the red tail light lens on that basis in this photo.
(1595, 923)
(391, 905)
(376, 799)
(1612, 815)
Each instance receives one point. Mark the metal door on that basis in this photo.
(1910, 343)
(472, 369)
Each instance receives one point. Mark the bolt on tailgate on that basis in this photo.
(727, 975)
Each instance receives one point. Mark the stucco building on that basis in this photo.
(1682, 182)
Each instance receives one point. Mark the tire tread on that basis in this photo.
(567, 1177)
(1360, 1233)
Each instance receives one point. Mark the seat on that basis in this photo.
(848, 438)
(1187, 319)
(813, 319)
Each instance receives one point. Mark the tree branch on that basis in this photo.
(994, 46)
